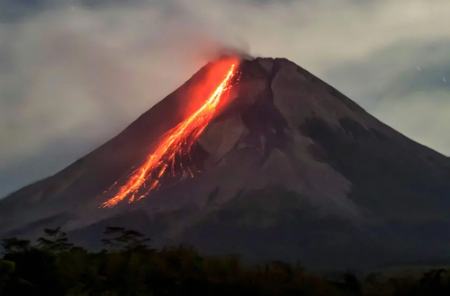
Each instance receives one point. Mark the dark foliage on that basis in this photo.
(54, 240)
(119, 238)
(128, 266)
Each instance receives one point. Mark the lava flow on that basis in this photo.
(177, 141)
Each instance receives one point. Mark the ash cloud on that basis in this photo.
(74, 73)
(73, 76)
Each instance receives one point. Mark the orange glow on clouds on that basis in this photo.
(178, 140)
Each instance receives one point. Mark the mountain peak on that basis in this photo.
(287, 166)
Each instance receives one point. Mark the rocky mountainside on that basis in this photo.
(291, 169)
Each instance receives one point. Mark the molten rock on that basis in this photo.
(288, 168)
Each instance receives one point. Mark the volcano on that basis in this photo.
(284, 167)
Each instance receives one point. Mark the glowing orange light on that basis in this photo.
(176, 141)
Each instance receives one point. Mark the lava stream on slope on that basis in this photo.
(177, 141)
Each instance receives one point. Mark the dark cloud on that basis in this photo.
(13, 10)
(73, 73)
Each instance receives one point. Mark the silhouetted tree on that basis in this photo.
(435, 282)
(15, 245)
(54, 267)
(352, 284)
(54, 240)
(120, 238)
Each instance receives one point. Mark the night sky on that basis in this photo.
(74, 73)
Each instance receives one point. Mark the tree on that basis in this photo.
(15, 245)
(54, 240)
(124, 239)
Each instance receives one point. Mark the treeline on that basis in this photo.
(129, 266)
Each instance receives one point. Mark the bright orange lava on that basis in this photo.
(176, 141)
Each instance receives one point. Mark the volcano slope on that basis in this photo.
(290, 169)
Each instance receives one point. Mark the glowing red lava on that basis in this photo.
(177, 141)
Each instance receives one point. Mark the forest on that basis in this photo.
(128, 265)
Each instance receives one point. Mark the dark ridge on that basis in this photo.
(401, 179)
